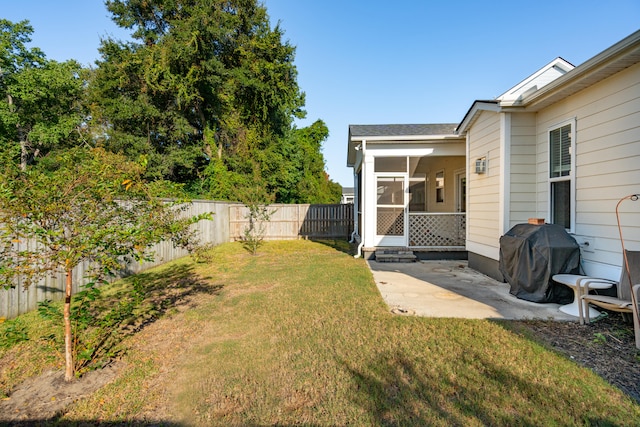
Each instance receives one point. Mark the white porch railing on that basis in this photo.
(437, 230)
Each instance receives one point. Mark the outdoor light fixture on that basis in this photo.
(481, 165)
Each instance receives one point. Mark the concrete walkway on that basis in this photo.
(452, 289)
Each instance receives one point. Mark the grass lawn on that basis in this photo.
(299, 335)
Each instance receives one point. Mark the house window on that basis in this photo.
(561, 174)
(440, 187)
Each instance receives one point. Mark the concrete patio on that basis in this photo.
(452, 289)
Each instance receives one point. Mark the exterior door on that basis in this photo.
(391, 210)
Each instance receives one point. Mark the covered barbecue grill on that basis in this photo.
(531, 254)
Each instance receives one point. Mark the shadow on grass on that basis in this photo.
(168, 287)
(56, 422)
(138, 301)
(340, 245)
(85, 423)
(395, 390)
(161, 290)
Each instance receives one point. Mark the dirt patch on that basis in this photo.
(48, 395)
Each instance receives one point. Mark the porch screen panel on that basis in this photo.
(390, 164)
(390, 209)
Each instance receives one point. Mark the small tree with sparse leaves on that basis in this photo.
(84, 205)
(256, 199)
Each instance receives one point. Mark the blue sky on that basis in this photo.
(381, 62)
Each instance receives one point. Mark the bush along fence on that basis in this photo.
(229, 222)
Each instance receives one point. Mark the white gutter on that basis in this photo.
(408, 138)
(627, 47)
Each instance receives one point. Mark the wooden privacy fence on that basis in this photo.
(18, 300)
(288, 222)
(228, 224)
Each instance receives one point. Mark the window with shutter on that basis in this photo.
(560, 149)
(561, 177)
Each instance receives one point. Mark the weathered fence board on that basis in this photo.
(19, 300)
(289, 222)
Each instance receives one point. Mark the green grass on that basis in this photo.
(299, 335)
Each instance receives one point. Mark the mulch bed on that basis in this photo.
(606, 346)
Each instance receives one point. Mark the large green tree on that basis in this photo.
(41, 106)
(208, 92)
(203, 80)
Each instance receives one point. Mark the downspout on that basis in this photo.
(356, 206)
(356, 200)
(359, 254)
(356, 222)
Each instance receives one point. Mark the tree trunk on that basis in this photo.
(24, 154)
(68, 346)
(22, 136)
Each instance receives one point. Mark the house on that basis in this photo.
(562, 145)
(347, 195)
(409, 186)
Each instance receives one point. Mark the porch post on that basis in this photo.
(369, 199)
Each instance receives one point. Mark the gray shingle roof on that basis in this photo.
(402, 130)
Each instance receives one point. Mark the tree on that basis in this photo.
(208, 92)
(81, 205)
(204, 80)
(41, 106)
(297, 173)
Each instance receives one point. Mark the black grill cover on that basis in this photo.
(531, 254)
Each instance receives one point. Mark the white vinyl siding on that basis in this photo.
(483, 190)
(523, 169)
(607, 159)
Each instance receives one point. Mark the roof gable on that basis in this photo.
(556, 68)
(550, 84)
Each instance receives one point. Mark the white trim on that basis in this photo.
(368, 199)
(407, 138)
(596, 66)
(528, 86)
(384, 239)
(504, 207)
(476, 108)
(399, 152)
